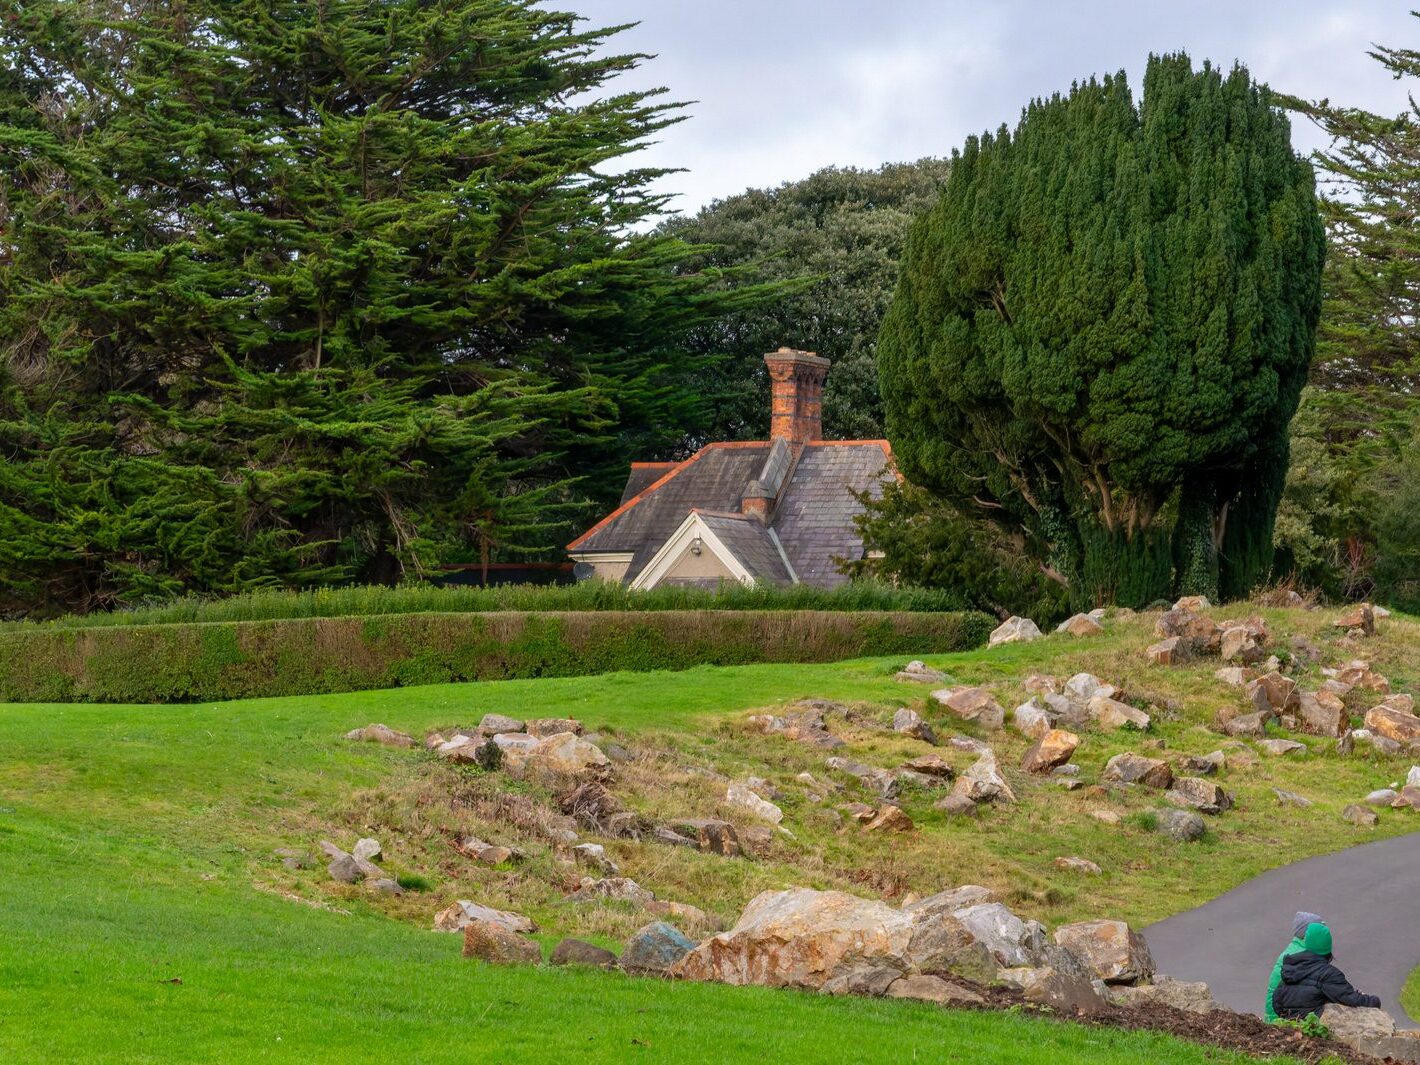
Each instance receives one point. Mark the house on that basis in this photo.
(779, 511)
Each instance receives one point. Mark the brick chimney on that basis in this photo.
(796, 409)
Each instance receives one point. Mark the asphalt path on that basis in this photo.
(1369, 896)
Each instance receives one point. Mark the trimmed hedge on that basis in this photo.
(304, 656)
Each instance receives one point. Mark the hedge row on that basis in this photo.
(236, 660)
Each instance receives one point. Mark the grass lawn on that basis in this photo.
(135, 852)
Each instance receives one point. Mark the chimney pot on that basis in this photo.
(796, 406)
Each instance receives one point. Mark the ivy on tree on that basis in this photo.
(1101, 332)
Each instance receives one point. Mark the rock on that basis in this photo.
(611, 889)
(591, 805)
(1199, 634)
(1234, 675)
(1181, 826)
(972, 704)
(1381, 797)
(543, 727)
(385, 886)
(1078, 865)
(1189, 996)
(493, 724)
(1108, 817)
(951, 900)
(1360, 816)
(345, 869)
(1322, 713)
(655, 948)
(1280, 692)
(1205, 765)
(1081, 625)
(463, 750)
(580, 952)
(1136, 769)
(807, 726)
(1198, 794)
(1170, 652)
(1291, 798)
(1404, 703)
(1359, 674)
(859, 811)
(911, 723)
(1355, 1025)
(1408, 798)
(486, 853)
(1062, 992)
(380, 734)
(738, 795)
(711, 836)
(1281, 747)
(1384, 744)
(890, 819)
(1033, 720)
(983, 782)
(865, 979)
(458, 916)
(1412, 777)
(1083, 687)
(1014, 630)
(1110, 950)
(366, 849)
(1193, 603)
(1010, 940)
(562, 752)
(920, 673)
(1238, 644)
(881, 781)
(933, 765)
(1110, 713)
(594, 856)
(932, 989)
(1053, 749)
(1360, 620)
(1394, 725)
(684, 913)
(1254, 724)
(1040, 684)
(492, 942)
(956, 805)
(803, 938)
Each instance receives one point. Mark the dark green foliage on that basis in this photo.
(1397, 526)
(235, 660)
(832, 243)
(927, 543)
(296, 292)
(1102, 330)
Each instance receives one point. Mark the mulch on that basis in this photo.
(1223, 1028)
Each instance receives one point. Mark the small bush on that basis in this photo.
(414, 882)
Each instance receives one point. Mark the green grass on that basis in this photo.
(374, 600)
(1410, 993)
(135, 849)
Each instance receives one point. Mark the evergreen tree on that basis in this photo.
(297, 292)
(830, 243)
(1102, 330)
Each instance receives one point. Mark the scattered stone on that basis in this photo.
(1083, 687)
(1322, 713)
(972, 704)
(711, 836)
(366, 849)
(1198, 794)
(881, 781)
(1193, 603)
(1205, 765)
(1253, 725)
(911, 723)
(933, 765)
(1181, 826)
(492, 942)
(1170, 652)
(956, 805)
(1078, 865)
(1381, 797)
(1110, 713)
(1393, 724)
(1033, 720)
(494, 724)
(890, 819)
(740, 796)
(1131, 768)
(1408, 798)
(611, 889)
(1040, 684)
(684, 913)
(1384, 744)
(579, 952)
(1109, 817)
(1234, 675)
(1282, 747)
(386, 886)
(458, 916)
(983, 782)
(655, 948)
(1199, 634)
(1052, 750)
(345, 869)
(808, 725)
(933, 989)
(1276, 691)
(1358, 674)
(1359, 620)
(380, 734)
(1110, 950)
(1356, 1025)
(1238, 644)
(1014, 630)
(550, 726)
(859, 811)
(920, 673)
(594, 856)
(968, 744)
(1359, 815)
(1189, 996)
(1010, 940)
(1291, 798)
(1081, 625)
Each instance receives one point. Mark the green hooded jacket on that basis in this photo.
(1299, 930)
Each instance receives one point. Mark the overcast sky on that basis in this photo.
(784, 87)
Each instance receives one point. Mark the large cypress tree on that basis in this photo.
(295, 292)
(1102, 330)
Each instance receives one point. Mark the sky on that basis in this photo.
(782, 88)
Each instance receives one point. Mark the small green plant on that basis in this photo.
(1148, 820)
(414, 882)
(1310, 1025)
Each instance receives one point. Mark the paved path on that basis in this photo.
(1369, 895)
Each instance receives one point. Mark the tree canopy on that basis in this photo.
(831, 244)
(1101, 332)
(296, 292)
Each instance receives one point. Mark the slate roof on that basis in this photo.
(812, 519)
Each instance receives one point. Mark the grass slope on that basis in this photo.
(135, 848)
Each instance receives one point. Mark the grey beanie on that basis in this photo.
(1300, 922)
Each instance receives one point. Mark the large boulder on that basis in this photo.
(493, 724)
(1081, 625)
(543, 727)
(1198, 794)
(382, 734)
(1111, 713)
(655, 948)
(1111, 950)
(1132, 768)
(1062, 992)
(1356, 1026)
(1083, 687)
(972, 704)
(933, 989)
(1054, 748)
(1360, 620)
(1010, 940)
(492, 942)
(1033, 719)
(1322, 713)
(580, 952)
(463, 913)
(1273, 690)
(1171, 652)
(1186, 995)
(1014, 630)
(1394, 724)
(951, 900)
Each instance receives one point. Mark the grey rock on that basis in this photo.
(579, 952)
(655, 948)
(1182, 826)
